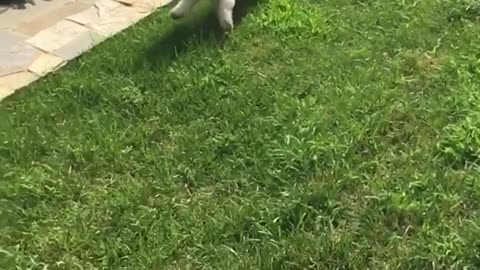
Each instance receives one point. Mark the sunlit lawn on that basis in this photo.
(334, 134)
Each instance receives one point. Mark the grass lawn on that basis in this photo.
(334, 134)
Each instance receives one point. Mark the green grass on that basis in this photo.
(334, 134)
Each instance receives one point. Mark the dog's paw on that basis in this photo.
(176, 14)
(227, 25)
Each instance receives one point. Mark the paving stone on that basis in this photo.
(65, 39)
(3, 9)
(5, 92)
(13, 18)
(46, 63)
(50, 17)
(15, 55)
(127, 2)
(43, 37)
(57, 36)
(17, 80)
(82, 43)
(106, 5)
(148, 5)
(100, 9)
(108, 17)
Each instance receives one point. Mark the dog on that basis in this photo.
(224, 11)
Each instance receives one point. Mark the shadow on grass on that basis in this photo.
(200, 29)
(242, 8)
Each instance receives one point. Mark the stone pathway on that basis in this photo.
(43, 37)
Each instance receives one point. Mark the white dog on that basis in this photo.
(224, 11)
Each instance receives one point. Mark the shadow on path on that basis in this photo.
(15, 4)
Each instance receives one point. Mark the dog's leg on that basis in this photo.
(182, 8)
(225, 14)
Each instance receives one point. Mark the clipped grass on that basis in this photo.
(333, 134)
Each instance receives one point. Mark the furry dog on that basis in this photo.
(224, 11)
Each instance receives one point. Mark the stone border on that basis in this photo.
(74, 35)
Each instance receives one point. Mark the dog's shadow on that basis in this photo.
(203, 29)
(16, 4)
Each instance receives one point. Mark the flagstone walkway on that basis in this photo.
(43, 37)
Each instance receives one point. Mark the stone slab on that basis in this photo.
(127, 2)
(17, 80)
(148, 5)
(5, 92)
(15, 55)
(50, 17)
(57, 36)
(46, 63)
(43, 37)
(12, 18)
(108, 17)
(79, 45)
(65, 39)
